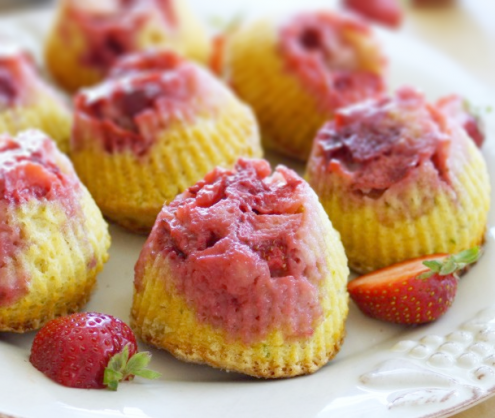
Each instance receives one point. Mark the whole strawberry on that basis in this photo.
(412, 292)
(89, 350)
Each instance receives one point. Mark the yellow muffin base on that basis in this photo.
(162, 317)
(45, 114)
(131, 190)
(192, 39)
(62, 261)
(68, 68)
(413, 218)
(288, 113)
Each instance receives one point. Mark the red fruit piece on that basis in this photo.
(413, 292)
(88, 350)
(459, 109)
(385, 12)
(218, 53)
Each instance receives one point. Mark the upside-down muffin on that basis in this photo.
(400, 179)
(244, 272)
(89, 35)
(156, 127)
(295, 72)
(26, 101)
(53, 238)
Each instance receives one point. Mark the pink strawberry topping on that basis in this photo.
(146, 61)
(315, 49)
(457, 109)
(111, 27)
(29, 169)
(17, 76)
(377, 143)
(20, 83)
(145, 94)
(235, 243)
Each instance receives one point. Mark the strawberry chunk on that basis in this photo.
(458, 109)
(385, 12)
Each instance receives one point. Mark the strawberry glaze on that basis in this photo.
(20, 84)
(29, 170)
(235, 246)
(111, 27)
(377, 143)
(384, 12)
(315, 49)
(456, 108)
(17, 76)
(145, 94)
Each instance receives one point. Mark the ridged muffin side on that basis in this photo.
(61, 261)
(46, 114)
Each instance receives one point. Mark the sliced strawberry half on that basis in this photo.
(413, 292)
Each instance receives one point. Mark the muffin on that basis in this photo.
(54, 240)
(92, 34)
(296, 72)
(26, 101)
(244, 272)
(156, 127)
(399, 180)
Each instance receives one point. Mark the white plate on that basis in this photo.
(382, 371)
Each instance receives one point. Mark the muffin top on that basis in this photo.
(377, 143)
(334, 55)
(111, 27)
(235, 241)
(145, 94)
(18, 78)
(31, 167)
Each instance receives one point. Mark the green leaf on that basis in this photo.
(448, 267)
(137, 366)
(138, 361)
(433, 265)
(426, 274)
(468, 256)
(148, 374)
(111, 378)
(121, 367)
(118, 361)
(451, 264)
